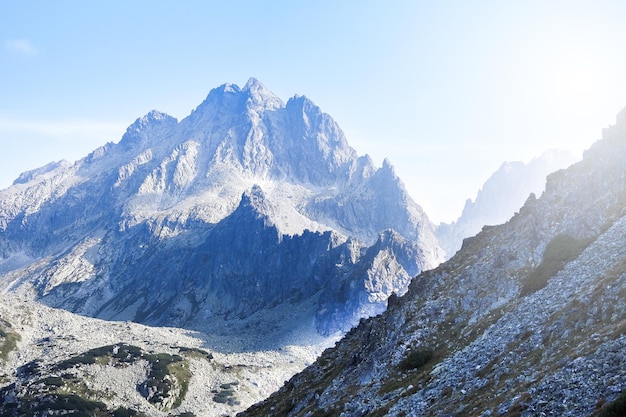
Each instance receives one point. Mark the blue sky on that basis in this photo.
(447, 90)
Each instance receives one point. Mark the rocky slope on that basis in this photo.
(53, 362)
(501, 196)
(247, 204)
(528, 318)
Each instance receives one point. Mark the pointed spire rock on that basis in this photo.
(259, 97)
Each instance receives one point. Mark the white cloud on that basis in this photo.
(21, 46)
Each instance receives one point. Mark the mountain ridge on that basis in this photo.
(107, 235)
(502, 194)
(527, 318)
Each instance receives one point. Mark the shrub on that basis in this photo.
(71, 402)
(9, 344)
(124, 412)
(415, 359)
(196, 351)
(616, 408)
(52, 381)
(159, 364)
(224, 396)
(561, 250)
(28, 369)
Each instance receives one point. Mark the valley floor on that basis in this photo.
(225, 378)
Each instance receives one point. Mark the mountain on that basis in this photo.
(245, 205)
(501, 196)
(527, 319)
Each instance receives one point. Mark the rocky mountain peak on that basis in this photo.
(230, 99)
(246, 190)
(259, 97)
(149, 125)
(256, 202)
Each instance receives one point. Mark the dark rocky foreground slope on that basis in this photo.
(528, 318)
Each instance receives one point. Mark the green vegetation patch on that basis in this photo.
(54, 404)
(415, 359)
(561, 250)
(8, 339)
(166, 373)
(121, 353)
(52, 381)
(616, 408)
(195, 352)
(226, 394)
(71, 402)
(126, 412)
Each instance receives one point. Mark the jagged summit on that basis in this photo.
(259, 97)
(147, 126)
(152, 229)
(254, 96)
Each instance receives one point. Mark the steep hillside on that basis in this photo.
(247, 204)
(501, 196)
(528, 318)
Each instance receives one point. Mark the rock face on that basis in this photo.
(246, 204)
(501, 196)
(528, 318)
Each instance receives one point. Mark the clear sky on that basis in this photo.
(447, 90)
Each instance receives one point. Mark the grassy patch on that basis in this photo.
(415, 359)
(616, 408)
(8, 339)
(195, 352)
(181, 372)
(167, 372)
(561, 250)
(126, 412)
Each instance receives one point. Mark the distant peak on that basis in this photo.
(153, 119)
(253, 84)
(255, 194)
(156, 115)
(301, 100)
(388, 167)
(228, 88)
(254, 96)
(260, 97)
